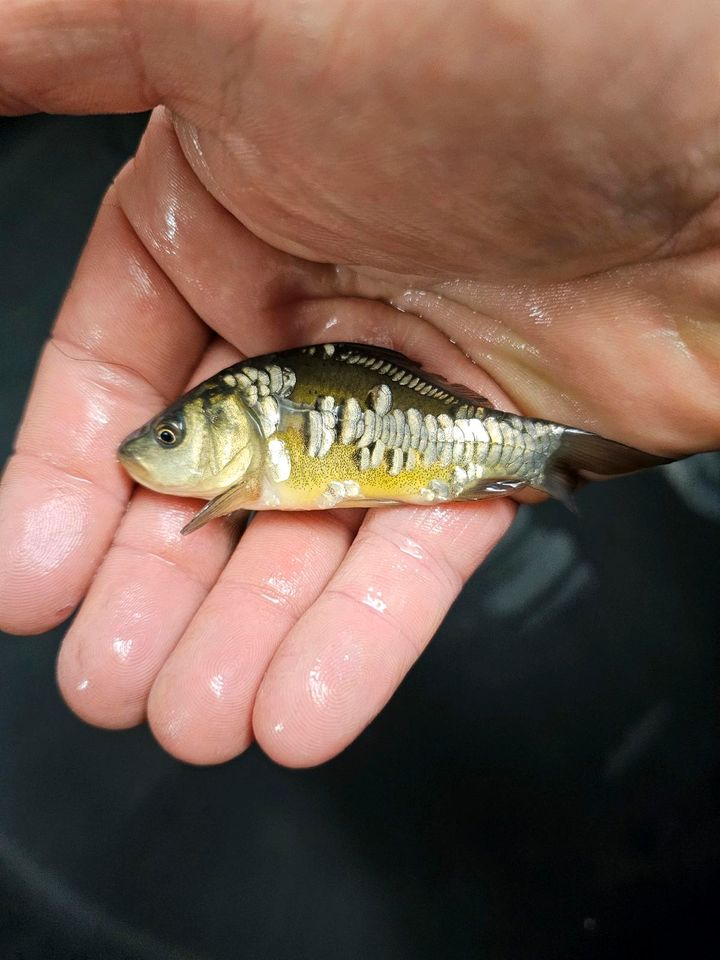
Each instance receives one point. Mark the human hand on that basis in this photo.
(474, 182)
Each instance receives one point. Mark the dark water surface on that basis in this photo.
(545, 785)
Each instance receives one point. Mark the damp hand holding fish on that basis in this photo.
(351, 425)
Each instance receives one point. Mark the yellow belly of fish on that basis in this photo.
(336, 480)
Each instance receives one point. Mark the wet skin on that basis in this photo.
(469, 204)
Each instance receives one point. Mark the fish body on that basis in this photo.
(343, 425)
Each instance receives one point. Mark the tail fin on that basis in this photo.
(582, 456)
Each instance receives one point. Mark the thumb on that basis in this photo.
(87, 56)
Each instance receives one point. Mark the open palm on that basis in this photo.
(461, 201)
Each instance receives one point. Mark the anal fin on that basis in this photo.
(498, 487)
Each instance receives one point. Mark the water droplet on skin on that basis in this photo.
(171, 221)
(98, 415)
(436, 521)
(537, 314)
(271, 598)
(669, 335)
(373, 598)
(140, 278)
(411, 548)
(319, 689)
(280, 590)
(285, 587)
(122, 648)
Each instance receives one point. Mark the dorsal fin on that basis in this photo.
(341, 352)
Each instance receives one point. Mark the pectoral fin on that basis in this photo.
(230, 500)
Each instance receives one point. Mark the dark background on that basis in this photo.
(545, 785)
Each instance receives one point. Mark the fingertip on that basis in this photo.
(348, 654)
(199, 706)
(25, 622)
(50, 544)
(199, 754)
(188, 737)
(317, 697)
(201, 703)
(86, 694)
(30, 605)
(299, 743)
(273, 740)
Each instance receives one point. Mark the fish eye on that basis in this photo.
(169, 433)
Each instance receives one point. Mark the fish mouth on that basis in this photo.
(140, 473)
(130, 439)
(129, 457)
(134, 467)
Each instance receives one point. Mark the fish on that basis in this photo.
(354, 425)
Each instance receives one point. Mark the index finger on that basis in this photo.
(124, 343)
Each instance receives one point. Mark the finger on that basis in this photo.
(146, 592)
(253, 295)
(200, 708)
(81, 56)
(147, 589)
(67, 57)
(125, 342)
(345, 657)
(426, 160)
(241, 287)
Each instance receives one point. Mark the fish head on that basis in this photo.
(198, 447)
